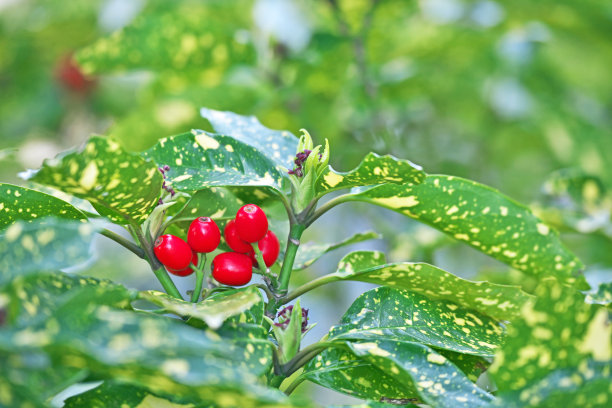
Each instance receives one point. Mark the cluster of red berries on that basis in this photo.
(229, 268)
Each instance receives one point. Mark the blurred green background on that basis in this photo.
(513, 94)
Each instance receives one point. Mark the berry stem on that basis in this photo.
(157, 268)
(328, 206)
(261, 264)
(293, 243)
(199, 270)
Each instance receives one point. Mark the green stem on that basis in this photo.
(167, 283)
(288, 208)
(313, 284)
(261, 264)
(328, 206)
(138, 251)
(156, 266)
(294, 384)
(293, 243)
(305, 355)
(199, 279)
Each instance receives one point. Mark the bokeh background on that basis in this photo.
(514, 94)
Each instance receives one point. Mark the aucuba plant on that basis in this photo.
(228, 211)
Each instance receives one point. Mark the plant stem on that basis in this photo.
(305, 355)
(313, 284)
(156, 266)
(167, 283)
(294, 385)
(287, 205)
(293, 243)
(199, 279)
(328, 206)
(261, 264)
(138, 251)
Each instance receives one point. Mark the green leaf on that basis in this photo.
(278, 145)
(35, 298)
(213, 311)
(197, 38)
(20, 203)
(485, 219)
(120, 185)
(342, 371)
(373, 169)
(110, 394)
(589, 386)
(560, 337)
(400, 315)
(437, 381)
(309, 252)
(199, 160)
(45, 244)
(160, 354)
(501, 302)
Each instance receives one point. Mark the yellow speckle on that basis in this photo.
(229, 148)
(45, 236)
(13, 232)
(543, 229)
(179, 161)
(207, 142)
(503, 211)
(332, 179)
(89, 176)
(452, 210)
(398, 202)
(176, 366)
(436, 358)
(597, 338)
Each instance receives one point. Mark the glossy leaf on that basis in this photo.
(498, 301)
(309, 252)
(560, 336)
(199, 160)
(437, 381)
(374, 404)
(400, 315)
(342, 371)
(278, 145)
(20, 203)
(213, 311)
(109, 394)
(120, 185)
(45, 244)
(373, 169)
(485, 219)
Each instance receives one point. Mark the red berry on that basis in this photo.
(203, 235)
(232, 268)
(251, 223)
(233, 240)
(69, 75)
(269, 248)
(188, 270)
(173, 252)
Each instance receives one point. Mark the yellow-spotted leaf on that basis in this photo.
(309, 252)
(46, 244)
(278, 145)
(116, 394)
(387, 313)
(437, 381)
(389, 403)
(24, 204)
(144, 350)
(120, 185)
(174, 36)
(500, 302)
(341, 370)
(373, 169)
(485, 219)
(200, 160)
(212, 311)
(559, 353)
